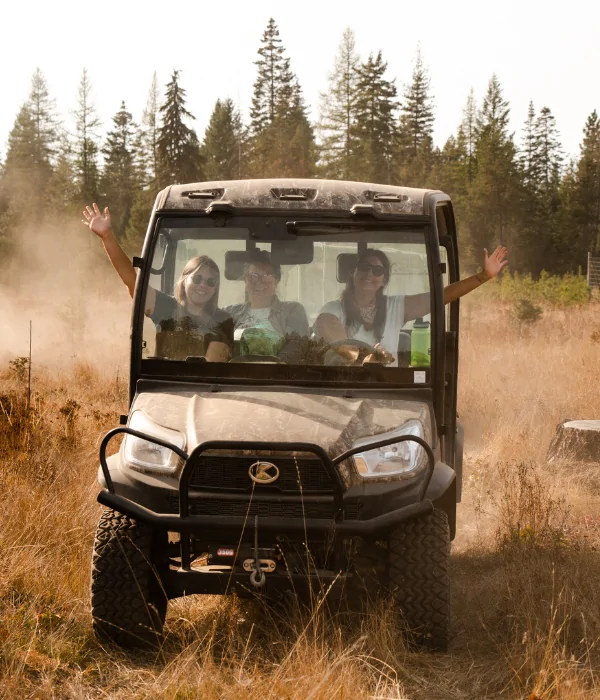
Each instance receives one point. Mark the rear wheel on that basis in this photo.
(128, 603)
(419, 577)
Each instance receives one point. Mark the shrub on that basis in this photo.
(554, 290)
(19, 367)
(526, 313)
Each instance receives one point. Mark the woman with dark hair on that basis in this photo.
(284, 321)
(190, 322)
(367, 314)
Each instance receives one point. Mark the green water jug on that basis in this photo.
(420, 344)
(261, 339)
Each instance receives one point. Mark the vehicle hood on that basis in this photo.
(333, 423)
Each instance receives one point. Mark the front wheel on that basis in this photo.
(128, 603)
(419, 577)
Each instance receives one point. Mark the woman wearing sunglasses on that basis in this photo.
(366, 314)
(188, 323)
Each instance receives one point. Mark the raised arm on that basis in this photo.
(418, 305)
(102, 227)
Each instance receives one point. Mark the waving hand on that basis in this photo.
(100, 225)
(495, 262)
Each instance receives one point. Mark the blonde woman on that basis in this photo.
(188, 323)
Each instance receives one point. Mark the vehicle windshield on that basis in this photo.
(250, 298)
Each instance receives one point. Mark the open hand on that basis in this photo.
(100, 225)
(495, 262)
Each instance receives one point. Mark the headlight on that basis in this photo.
(147, 456)
(402, 459)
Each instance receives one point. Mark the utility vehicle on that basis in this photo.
(286, 476)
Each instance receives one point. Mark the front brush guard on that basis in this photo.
(186, 523)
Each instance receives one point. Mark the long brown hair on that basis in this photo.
(190, 267)
(353, 317)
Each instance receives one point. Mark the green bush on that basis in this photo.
(554, 290)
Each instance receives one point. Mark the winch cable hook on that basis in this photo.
(257, 577)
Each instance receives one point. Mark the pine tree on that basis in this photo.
(120, 176)
(468, 134)
(535, 231)
(145, 147)
(281, 140)
(273, 70)
(337, 124)
(86, 147)
(548, 150)
(548, 165)
(533, 246)
(583, 189)
(178, 148)
(493, 206)
(22, 156)
(223, 145)
(61, 183)
(492, 120)
(290, 138)
(150, 125)
(19, 181)
(527, 157)
(376, 107)
(450, 171)
(43, 112)
(33, 140)
(28, 167)
(416, 120)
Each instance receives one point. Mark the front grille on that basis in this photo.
(273, 509)
(230, 472)
(264, 509)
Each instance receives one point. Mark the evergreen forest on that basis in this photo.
(515, 188)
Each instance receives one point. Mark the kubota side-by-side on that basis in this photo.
(294, 462)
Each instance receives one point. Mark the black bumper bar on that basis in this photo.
(222, 523)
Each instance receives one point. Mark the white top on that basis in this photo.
(394, 320)
(255, 318)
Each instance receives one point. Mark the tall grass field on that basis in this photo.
(525, 562)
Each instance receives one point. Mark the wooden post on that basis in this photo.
(29, 370)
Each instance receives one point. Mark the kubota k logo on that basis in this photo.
(263, 472)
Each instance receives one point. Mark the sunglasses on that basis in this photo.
(376, 270)
(210, 281)
(254, 277)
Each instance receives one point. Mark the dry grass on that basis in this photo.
(525, 564)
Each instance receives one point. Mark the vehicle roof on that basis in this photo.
(334, 195)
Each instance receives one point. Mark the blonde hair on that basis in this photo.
(190, 267)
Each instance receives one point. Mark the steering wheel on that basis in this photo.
(270, 359)
(364, 349)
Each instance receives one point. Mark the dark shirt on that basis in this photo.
(181, 334)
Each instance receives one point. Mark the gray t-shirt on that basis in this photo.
(394, 320)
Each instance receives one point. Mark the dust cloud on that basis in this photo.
(60, 279)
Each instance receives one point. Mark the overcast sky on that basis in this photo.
(544, 51)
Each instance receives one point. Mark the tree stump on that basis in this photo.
(576, 440)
